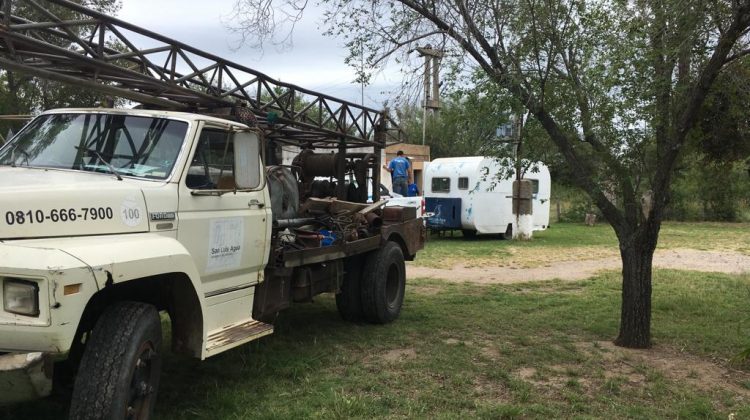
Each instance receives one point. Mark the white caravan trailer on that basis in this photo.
(461, 196)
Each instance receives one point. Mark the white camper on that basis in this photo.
(460, 193)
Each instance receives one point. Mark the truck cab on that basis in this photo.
(97, 198)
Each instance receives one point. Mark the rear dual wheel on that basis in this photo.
(349, 300)
(374, 291)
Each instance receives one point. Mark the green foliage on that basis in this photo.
(574, 203)
(463, 127)
(713, 181)
(723, 134)
(703, 190)
(467, 126)
(712, 191)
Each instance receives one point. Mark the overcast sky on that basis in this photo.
(315, 62)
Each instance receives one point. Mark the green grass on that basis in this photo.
(462, 350)
(706, 236)
(573, 241)
(447, 250)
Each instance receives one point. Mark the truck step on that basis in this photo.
(236, 334)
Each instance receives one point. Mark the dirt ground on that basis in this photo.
(681, 259)
(630, 369)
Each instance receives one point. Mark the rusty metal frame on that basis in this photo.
(97, 51)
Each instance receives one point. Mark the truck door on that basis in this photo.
(226, 229)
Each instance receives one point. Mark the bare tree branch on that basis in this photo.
(263, 21)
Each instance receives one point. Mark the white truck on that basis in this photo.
(463, 193)
(114, 220)
(109, 217)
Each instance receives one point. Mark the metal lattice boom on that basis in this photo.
(63, 41)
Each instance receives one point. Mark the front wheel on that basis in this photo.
(383, 284)
(119, 372)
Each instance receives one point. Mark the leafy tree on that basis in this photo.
(723, 132)
(712, 179)
(710, 190)
(456, 131)
(467, 126)
(617, 87)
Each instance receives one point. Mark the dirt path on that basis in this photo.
(680, 259)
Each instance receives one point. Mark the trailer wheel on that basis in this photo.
(119, 373)
(469, 233)
(383, 284)
(508, 235)
(349, 299)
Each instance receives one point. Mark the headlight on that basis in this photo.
(21, 297)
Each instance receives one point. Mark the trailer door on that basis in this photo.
(541, 198)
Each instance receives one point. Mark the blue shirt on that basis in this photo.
(399, 167)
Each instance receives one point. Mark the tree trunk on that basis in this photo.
(635, 316)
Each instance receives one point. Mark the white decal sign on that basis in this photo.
(131, 212)
(225, 244)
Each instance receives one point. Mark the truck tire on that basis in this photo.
(119, 373)
(349, 299)
(383, 284)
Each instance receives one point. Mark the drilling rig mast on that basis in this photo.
(69, 43)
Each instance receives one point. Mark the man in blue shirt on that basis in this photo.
(399, 169)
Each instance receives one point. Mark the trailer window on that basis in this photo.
(212, 167)
(463, 183)
(441, 184)
(534, 185)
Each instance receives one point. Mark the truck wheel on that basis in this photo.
(119, 372)
(383, 283)
(349, 299)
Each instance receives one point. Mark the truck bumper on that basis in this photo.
(25, 376)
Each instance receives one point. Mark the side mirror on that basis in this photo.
(248, 165)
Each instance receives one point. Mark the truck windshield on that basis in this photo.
(130, 145)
